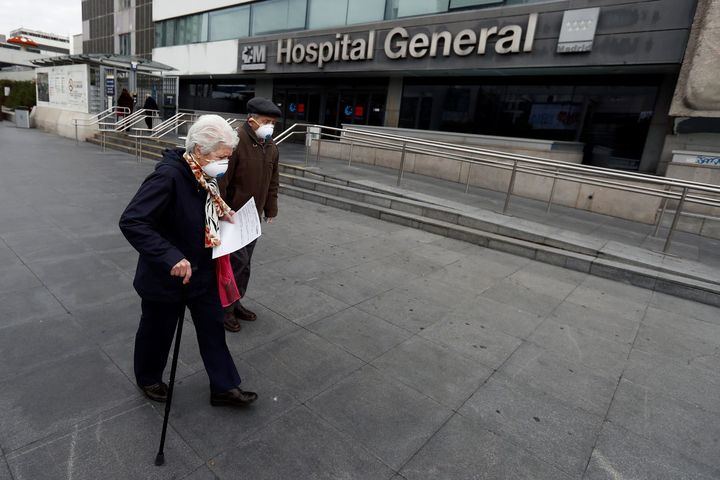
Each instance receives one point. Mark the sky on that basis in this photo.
(53, 16)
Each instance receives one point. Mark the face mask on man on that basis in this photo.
(217, 168)
(264, 132)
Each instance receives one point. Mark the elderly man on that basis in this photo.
(252, 173)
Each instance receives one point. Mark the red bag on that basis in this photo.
(227, 288)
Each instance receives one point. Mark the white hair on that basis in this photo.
(210, 132)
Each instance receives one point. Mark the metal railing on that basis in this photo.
(160, 130)
(98, 118)
(665, 189)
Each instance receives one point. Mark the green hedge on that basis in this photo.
(22, 94)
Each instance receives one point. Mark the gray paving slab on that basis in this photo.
(387, 418)
(29, 305)
(303, 363)
(407, 309)
(568, 382)
(532, 419)
(212, 430)
(608, 323)
(48, 339)
(675, 424)
(581, 346)
(675, 378)
(511, 293)
(17, 277)
(499, 316)
(446, 376)
(463, 450)
(623, 454)
(299, 445)
(109, 323)
(684, 307)
(51, 399)
(690, 341)
(119, 447)
(268, 326)
(470, 337)
(202, 473)
(360, 333)
(301, 304)
(350, 288)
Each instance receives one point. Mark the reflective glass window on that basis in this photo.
(472, 3)
(229, 23)
(407, 8)
(365, 11)
(278, 15)
(327, 13)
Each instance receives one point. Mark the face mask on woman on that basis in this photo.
(217, 168)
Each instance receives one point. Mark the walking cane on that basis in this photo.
(160, 457)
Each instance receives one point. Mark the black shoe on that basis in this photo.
(231, 323)
(156, 392)
(244, 314)
(233, 398)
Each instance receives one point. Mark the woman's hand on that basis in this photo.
(229, 217)
(182, 269)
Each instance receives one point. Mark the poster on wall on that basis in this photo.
(64, 87)
(555, 116)
(43, 93)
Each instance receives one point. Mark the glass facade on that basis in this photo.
(611, 115)
(229, 23)
(272, 16)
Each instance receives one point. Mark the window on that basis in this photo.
(125, 4)
(229, 23)
(278, 15)
(407, 8)
(125, 47)
(191, 29)
(327, 13)
(472, 3)
(365, 11)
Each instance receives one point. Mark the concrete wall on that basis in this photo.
(631, 206)
(701, 174)
(697, 142)
(21, 75)
(60, 122)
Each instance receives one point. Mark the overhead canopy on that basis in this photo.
(116, 61)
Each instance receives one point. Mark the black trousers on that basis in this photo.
(240, 262)
(155, 335)
(148, 122)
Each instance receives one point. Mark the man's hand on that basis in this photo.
(269, 219)
(182, 269)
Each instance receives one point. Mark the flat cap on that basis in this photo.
(263, 106)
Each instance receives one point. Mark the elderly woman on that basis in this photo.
(173, 223)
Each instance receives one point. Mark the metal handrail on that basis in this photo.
(98, 117)
(663, 188)
(160, 130)
(135, 118)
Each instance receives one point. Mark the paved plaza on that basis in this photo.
(380, 352)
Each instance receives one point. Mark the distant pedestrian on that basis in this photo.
(252, 173)
(150, 104)
(125, 100)
(173, 222)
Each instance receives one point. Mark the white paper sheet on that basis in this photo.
(245, 229)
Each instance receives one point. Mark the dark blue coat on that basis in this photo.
(165, 222)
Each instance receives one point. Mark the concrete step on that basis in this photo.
(491, 222)
(147, 154)
(674, 282)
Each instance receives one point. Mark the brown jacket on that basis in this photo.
(252, 172)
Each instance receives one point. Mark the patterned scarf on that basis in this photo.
(215, 206)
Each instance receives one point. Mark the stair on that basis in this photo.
(152, 149)
(633, 265)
